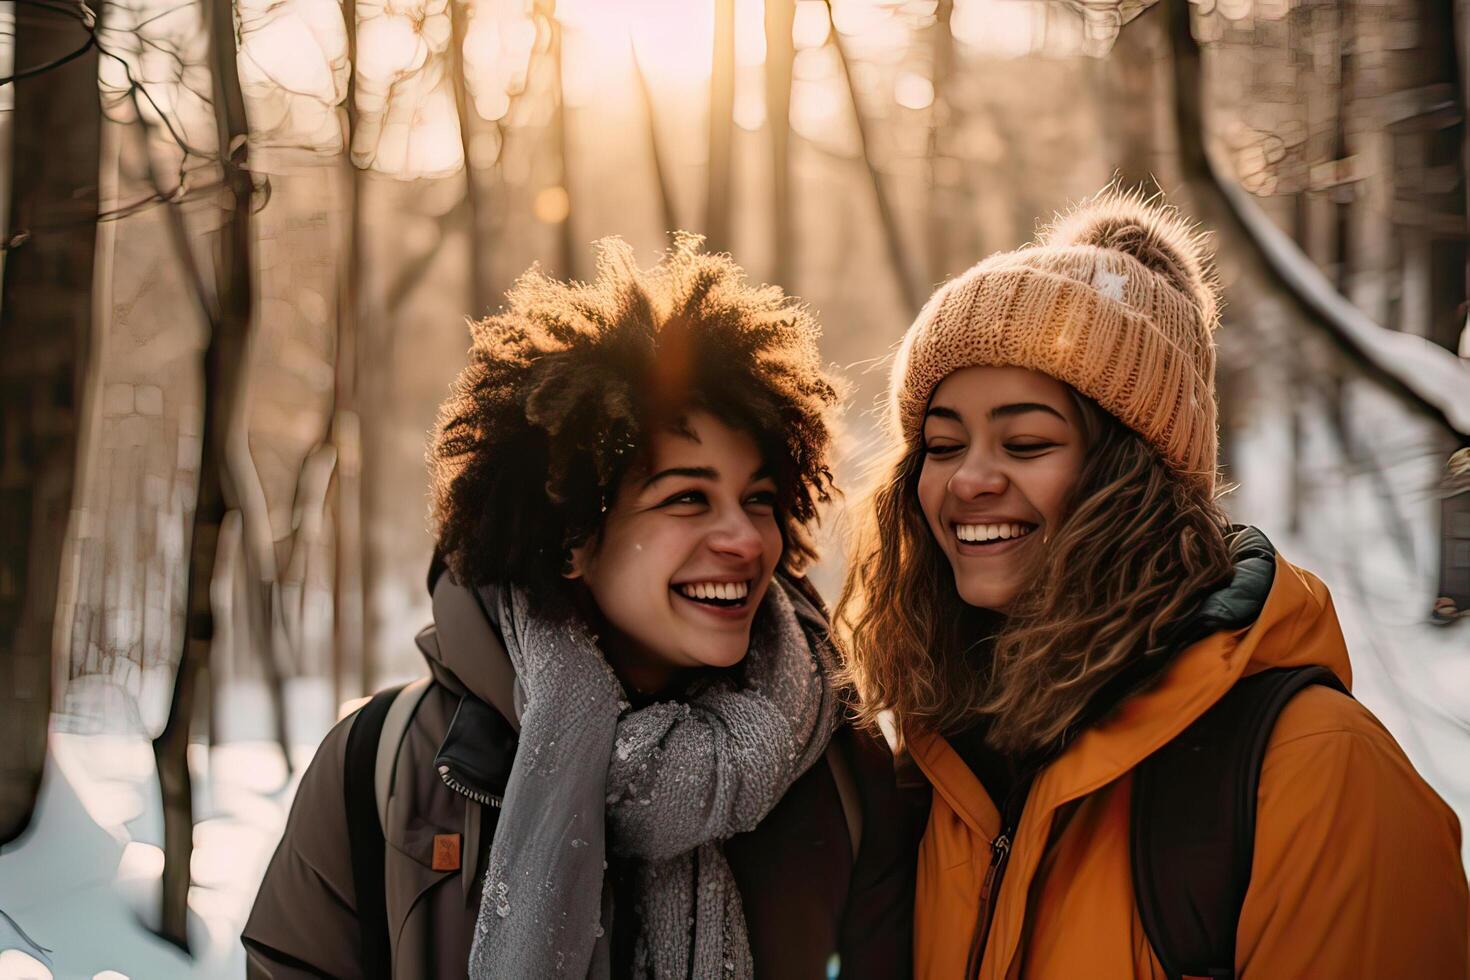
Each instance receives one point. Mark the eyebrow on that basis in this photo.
(999, 412)
(699, 473)
(1021, 408)
(693, 472)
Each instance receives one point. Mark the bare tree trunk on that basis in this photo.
(780, 57)
(45, 332)
(308, 515)
(349, 639)
(245, 494)
(349, 635)
(566, 240)
(264, 633)
(721, 129)
(1326, 239)
(938, 215)
(275, 572)
(1130, 86)
(242, 493)
(481, 289)
(223, 360)
(1313, 219)
(887, 219)
(1444, 189)
(660, 169)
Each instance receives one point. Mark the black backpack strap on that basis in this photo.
(365, 834)
(1194, 823)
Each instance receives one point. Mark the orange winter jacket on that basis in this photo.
(1357, 869)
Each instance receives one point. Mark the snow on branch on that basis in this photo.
(1434, 374)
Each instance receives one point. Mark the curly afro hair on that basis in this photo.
(565, 385)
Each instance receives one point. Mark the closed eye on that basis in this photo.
(942, 448)
(1029, 448)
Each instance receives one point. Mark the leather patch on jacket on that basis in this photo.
(446, 852)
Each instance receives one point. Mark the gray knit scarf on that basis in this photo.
(669, 782)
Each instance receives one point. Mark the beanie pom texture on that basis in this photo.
(1152, 233)
(1117, 298)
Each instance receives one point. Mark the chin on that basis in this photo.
(984, 596)
(724, 658)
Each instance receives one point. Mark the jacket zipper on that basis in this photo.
(1000, 852)
(1000, 855)
(479, 796)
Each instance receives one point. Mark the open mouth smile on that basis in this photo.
(724, 597)
(986, 539)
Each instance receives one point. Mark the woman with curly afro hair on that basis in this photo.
(631, 759)
(1132, 713)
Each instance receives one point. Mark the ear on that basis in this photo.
(575, 564)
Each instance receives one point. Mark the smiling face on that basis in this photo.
(1003, 446)
(685, 554)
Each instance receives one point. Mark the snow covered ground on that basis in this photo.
(84, 881)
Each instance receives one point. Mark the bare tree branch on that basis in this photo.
(888, 220)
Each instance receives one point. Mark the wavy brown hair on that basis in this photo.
(1136, 550)
(565, 386)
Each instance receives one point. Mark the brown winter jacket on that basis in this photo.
(806, 899)
(1356, 867)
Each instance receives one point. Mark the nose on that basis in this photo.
(977, 476)
(736, 536)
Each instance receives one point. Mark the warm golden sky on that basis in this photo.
(293, 61)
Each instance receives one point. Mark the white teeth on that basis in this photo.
(728, 591)
(978, 533)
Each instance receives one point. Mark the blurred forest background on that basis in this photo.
(241, 239)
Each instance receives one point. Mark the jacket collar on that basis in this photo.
(1236, 605)
(1271, 614)
(464, 649)
(466, 655)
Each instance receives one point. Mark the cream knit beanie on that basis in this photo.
(1117, 299)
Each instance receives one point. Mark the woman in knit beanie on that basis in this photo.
(1088, 663)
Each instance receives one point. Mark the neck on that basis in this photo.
(642, 675)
